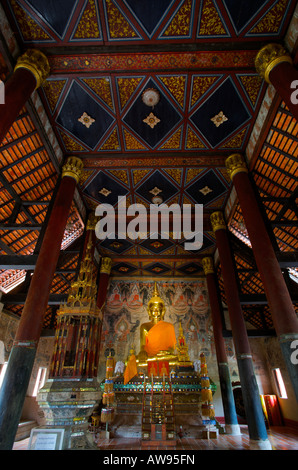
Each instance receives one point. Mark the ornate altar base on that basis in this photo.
(160, 395)
(172, 400)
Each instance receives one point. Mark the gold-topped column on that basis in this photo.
(279, 300)
(275, 65)
(250, 392)
(31, 70)
(231, 421)
(21, 359)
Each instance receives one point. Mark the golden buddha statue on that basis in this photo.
(157, 337)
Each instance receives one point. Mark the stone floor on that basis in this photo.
(281, 438)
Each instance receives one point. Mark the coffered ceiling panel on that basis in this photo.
(195, 112)
(198, 56)
(133, 21)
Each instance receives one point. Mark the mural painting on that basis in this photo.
(186, 302)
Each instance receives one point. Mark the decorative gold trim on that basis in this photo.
(269, 57)
(37, 63)
(86, 120)
(81, 298)
(151, 120)
(217, 221)
(73, 168)
(207, 264)
(235, 164)
(106, 265)
(219, 119)
(91, 222)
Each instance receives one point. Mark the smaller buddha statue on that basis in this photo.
(182, 347)
(157, 337)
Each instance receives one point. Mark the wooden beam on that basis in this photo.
(27, 262)
(19, 299)
(6, 248)
(258, 333)
(56, 299)
(12, 227)
(258, 299)
(288, 259)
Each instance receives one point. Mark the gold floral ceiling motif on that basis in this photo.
(151, 120)
(86, 120)
(219, 119)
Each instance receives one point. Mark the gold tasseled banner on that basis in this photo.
(107, 415)
(211, 411)
(205, 410)
(205, 382)
(206, 394)
(208, 411)
(108, 386)
(108, 398)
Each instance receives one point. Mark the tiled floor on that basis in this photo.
(281, 438)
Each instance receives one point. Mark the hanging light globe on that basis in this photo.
(150, 97)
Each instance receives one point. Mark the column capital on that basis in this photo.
(207, 264)
(268, 57)
(217, 221)
(35, 61)
(235, 164)
(106, 265)
(73, 168)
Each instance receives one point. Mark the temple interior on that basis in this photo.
(148, 222)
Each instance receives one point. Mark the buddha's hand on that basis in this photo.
(142, 356)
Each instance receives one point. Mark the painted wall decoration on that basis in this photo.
(8, 328)
(186, 301)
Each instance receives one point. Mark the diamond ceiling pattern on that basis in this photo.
(198, 56)
(121, 21)
(196, 112)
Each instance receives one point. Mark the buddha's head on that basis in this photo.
(156, 307)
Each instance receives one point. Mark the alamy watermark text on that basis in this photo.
(186, 223)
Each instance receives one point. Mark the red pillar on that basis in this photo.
(30, 325)
(249, 387)
(31, 70)
(231, 421)
(275, 65)
(21, 359)
(207, 264)
(281, 307)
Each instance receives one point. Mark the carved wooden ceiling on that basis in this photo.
(199, 57)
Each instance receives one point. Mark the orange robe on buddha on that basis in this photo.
(161, 337)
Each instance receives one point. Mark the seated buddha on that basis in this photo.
(157, 337)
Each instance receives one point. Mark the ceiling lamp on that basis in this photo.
(150, 97)
(157, 200)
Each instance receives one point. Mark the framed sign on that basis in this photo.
(46, 439)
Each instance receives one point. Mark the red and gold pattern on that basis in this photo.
(197, 60)
(88, 27)
(180, 25)
(210, 21)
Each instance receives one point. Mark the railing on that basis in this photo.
(158, 420)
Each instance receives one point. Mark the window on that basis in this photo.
(281, 389)
(2, 373)
(40, 380)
